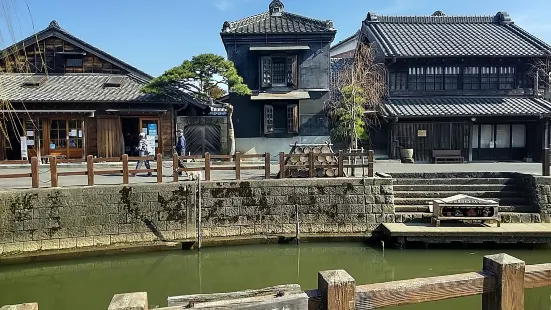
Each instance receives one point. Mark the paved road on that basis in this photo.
(66, 181)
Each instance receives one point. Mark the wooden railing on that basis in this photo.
(311, 167)
(501, 283)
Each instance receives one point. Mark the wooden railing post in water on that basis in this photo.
(311, 167)
(134, 301)
(546, 163)
(340, 172)
(281, 165)
(90, 169)
(53, 171)
(238, 165)
(175, 167)
(370, 161)
(125, 169)
(509, 289)
(338, 290)
(159, 168)
(267, 165)
(35, 174)
(207, 166)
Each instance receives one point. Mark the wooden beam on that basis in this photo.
(53, 171)
(90, 169)
(537, 276)
(125, 169)
(509, 289)
(405, 292)
(35, 174)
(338, 290)
(159, 168)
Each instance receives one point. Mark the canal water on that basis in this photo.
(89, 284)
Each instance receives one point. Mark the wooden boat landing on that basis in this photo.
(466, 233)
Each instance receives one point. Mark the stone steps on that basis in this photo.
(428, 193)
(453, 187)
(425, 208)
(455, 181)
(506, 217)
(504, 201)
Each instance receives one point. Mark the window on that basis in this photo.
(268, 119)
(489, 78)
(58, 134)
(471, 78)
(279, 71)
(435, 78)
(33, 132)
(503, 136)
(451, 78)
(474, 137)
(486, 136)
(398, 80)
(506, 77)
(75, 134)
(518, 135)
(416, 78)
(292, 118)
(73, 62)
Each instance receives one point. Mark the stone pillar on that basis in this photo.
(129, 301)
(29, 306)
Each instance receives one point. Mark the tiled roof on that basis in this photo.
(440, 35)
(72, 87)
(466, 106)
(279, 22)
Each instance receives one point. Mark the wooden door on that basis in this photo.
(109, 137)
(203, 138)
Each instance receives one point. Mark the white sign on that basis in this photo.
(151, 144)
(80, 133)
(24, 153)
(30, 142)
(73, 133)
(30, 133)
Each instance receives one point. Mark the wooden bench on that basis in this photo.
(447, 156)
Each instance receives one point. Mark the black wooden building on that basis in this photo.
(461, 83)
(284, 59)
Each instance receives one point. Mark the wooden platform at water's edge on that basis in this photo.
(476, 233)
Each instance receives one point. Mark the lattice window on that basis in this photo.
(471, 78)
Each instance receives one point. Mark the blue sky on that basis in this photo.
(157, 35)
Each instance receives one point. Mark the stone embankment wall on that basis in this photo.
(539, 189)
(69, 218)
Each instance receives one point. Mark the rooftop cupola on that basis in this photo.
(276, 8)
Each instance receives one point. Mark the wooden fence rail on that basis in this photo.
(239, 164)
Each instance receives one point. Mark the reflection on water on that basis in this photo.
(91, 283)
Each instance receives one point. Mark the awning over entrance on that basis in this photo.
(91, 112)
(136, 111)
(294, 95)
(279, 48)
(466, 106)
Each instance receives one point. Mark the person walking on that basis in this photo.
(143, 149)
(181, 148)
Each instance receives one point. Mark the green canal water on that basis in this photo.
(89, 284)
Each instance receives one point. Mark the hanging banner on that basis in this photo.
(24, 148)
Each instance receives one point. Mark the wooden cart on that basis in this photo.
(465, 208)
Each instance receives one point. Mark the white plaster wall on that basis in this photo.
(273, 145)
(348, 46)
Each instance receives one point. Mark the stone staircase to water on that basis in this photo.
(413, 192)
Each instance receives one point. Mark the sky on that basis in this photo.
(155, 36)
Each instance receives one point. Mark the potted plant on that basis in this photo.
(406, 152)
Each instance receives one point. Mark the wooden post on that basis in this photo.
(207, 166)
(370, 162)
(199, 237)
(297, 218)
(312, 168)
(546, 163)
(53, 171)
(238, 165)
(35, 174)
(338, 290)
(159, 168)
(340, 173)
(509, 289)
(125, 169)
(176, 167)
(90, 169)
(134, 301)
(281, 165)
(363, 163)
(470, 150)
(267, 165)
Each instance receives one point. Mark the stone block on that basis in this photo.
(301, 191)
(369, 199)
(231, 211)
(359, 227)
(109, 209)
(183, 234)
(93, 220)
(31, 246)
(118, 239)
(47, 245)
(68, 243)
(388, 209)
(93, 230)
(85, 242)
(125, 228)
(6, 237)
(102, 240)
(92, 209)
(27, 306)
(23, 236)
(330, 228)
(150, 197)
(14, 247)
(377, 209)
(370, 219)
(389, 199)
(76, 231)
(246, 230)
(387, 190)
(141, 237)
(289, 228)
(345, 228)
(130, 301)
